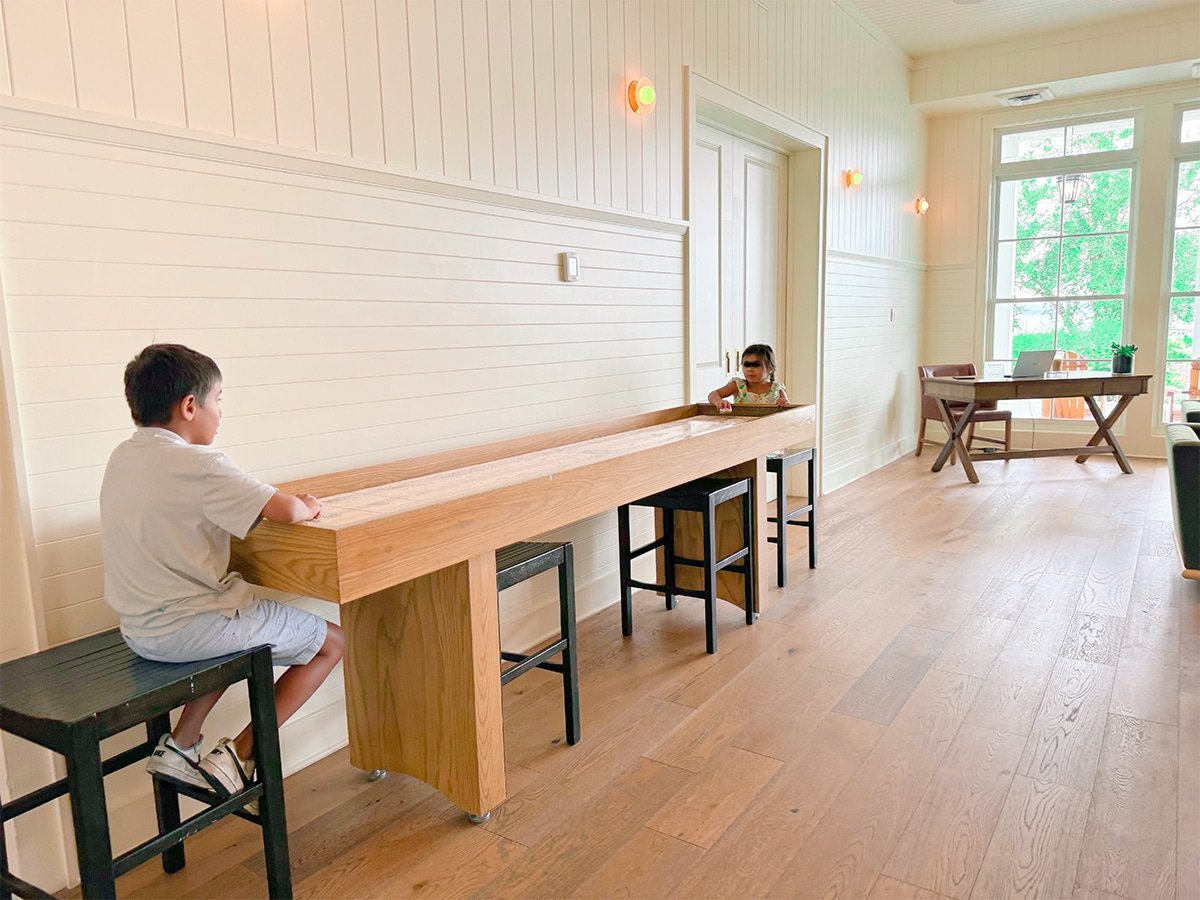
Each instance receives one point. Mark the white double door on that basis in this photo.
(738, 212)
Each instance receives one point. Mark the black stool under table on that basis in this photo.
(70, 698)
(518, 562)
(779, 463)
(702, 496)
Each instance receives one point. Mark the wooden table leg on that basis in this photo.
(422, 673)
(954, 441)
(1104, 431)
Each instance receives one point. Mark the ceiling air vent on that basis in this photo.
(1027, 97)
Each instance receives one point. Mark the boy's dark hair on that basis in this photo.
(162, 375)
(765, 353)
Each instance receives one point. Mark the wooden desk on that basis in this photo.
(408, 548)
(1056, 384)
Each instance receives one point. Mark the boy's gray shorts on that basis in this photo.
(295, 636)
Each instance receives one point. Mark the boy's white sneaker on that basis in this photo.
(180, 764)
(228, 772)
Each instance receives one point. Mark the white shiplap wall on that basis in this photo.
(329, 300)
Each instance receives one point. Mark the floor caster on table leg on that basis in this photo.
(377, 775)
(479, 819)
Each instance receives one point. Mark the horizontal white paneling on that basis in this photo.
(508, 92)
(872, 329)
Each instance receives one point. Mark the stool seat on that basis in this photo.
(97, 678)
(695, 496)
(519, 562)
(781, 460)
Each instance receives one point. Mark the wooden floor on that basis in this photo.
(984, 691)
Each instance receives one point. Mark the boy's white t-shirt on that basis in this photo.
(167, 509)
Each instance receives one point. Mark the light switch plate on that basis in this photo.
(570, 266)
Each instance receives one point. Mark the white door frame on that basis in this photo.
(804, 307)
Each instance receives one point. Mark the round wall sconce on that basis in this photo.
(642, 96)
(854, 179)
(922, 206)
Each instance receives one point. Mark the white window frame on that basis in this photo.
(1062, 165)
(1180, 153)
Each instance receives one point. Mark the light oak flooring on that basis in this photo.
(984, 691)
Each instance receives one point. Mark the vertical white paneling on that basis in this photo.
(503, 92)
(453, 88)
(327, 52)
(362, 81)
(396, 81)
(601, 103)
(291, 74)
(542, 95)
(479, 92)
(663, 162)
(426, 102)
(205, 59)
(617, 137)
(100, 54)
(526, 97)
(564, 99)
(585, 157)
(649, 124)
(634, 125)
(5, 77)
(39, 50)
(250, 79)
(677, 28)
(154, 62)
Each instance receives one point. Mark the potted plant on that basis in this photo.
(1123, 358)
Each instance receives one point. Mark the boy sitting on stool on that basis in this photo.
(168, 505)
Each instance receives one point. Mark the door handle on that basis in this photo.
(727, 362)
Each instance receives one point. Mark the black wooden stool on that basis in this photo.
(779, 462)
(702, 496)
(518, 562)
(70, 698)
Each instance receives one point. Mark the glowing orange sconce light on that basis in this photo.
(854, 179)
(642, 96)
(922, 206)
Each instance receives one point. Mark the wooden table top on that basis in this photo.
(1052, 384)
(385, 524)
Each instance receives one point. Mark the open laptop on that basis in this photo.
(1033, 363)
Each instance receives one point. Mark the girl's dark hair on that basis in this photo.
(765, 353)
(162, 375)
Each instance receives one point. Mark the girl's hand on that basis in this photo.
(724, 406)
(782, 401)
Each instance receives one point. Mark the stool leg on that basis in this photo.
(812, 512)
(624, 564)
(570, 656)
(269, 772)
(710, 578)
(166, 799)
(669, 557)
(5, 893)
(85, 784)
(781, 528)
(748, 535)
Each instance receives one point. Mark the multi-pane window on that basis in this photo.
(1060, 250)
(1182, 376)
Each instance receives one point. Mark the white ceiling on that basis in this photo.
(922, 27)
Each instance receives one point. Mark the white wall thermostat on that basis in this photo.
(570, 266)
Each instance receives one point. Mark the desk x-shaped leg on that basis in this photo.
(1104, 431)
(955, 442)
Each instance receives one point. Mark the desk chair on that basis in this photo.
(986, 411)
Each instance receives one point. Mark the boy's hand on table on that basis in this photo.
(313, 504)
